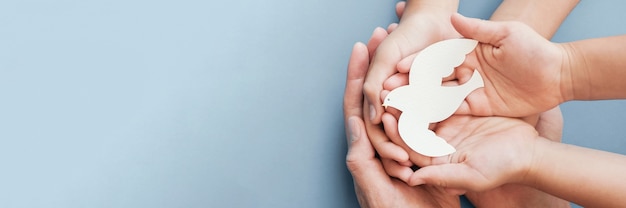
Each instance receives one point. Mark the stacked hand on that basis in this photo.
(374, 187)
(485, 146)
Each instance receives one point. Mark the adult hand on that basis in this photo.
(373, 187)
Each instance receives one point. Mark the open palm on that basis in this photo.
(521, 69)
(492, 134)
(491, 151)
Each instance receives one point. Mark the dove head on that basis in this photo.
(399, 98)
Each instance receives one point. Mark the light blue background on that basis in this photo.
(194, 103)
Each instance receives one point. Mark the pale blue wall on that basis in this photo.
(191, 103)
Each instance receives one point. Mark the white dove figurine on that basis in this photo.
(425, 101)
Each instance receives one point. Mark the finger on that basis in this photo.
(361, 161)
(382, 144)
(462, 73)
(476, 103)
(432, 126)
(357, 68)
(550, 124)
(395, 81)
(394, 169)
(458, 176)
(400, 8)
(370, 89)
(483, 31)
(382, 67)
(390, 124)
(378, 36)
(392, 27)
(465, 71)
(407, 164)
(404, 66)
(450, 83)
(384, 94)
(455, 191)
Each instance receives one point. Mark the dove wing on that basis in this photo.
(409, 123)
(439, 59)
(414, 132)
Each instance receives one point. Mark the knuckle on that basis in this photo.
(442, 183)
(369, 87)
(353, 164)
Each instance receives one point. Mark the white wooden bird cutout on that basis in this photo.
(425, 101)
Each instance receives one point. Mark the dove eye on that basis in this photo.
(388, 99)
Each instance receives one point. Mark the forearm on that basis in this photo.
(543, 16)
(414, 7)
(595, 69)
(433, 14)
(588, 177)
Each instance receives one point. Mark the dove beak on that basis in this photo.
(385, 105)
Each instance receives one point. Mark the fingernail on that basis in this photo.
(372, 112)
(354, 130)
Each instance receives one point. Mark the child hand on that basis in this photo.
(491, 151)
(522, 70)
(418, 28)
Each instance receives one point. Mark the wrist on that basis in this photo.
(416, 7)
(431, 23)
(573, 74)
(433, 11)
(544, 18)
(538, 162)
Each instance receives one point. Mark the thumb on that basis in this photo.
(480, 30)
(456, 176)
(367, 170)
(360, 151)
